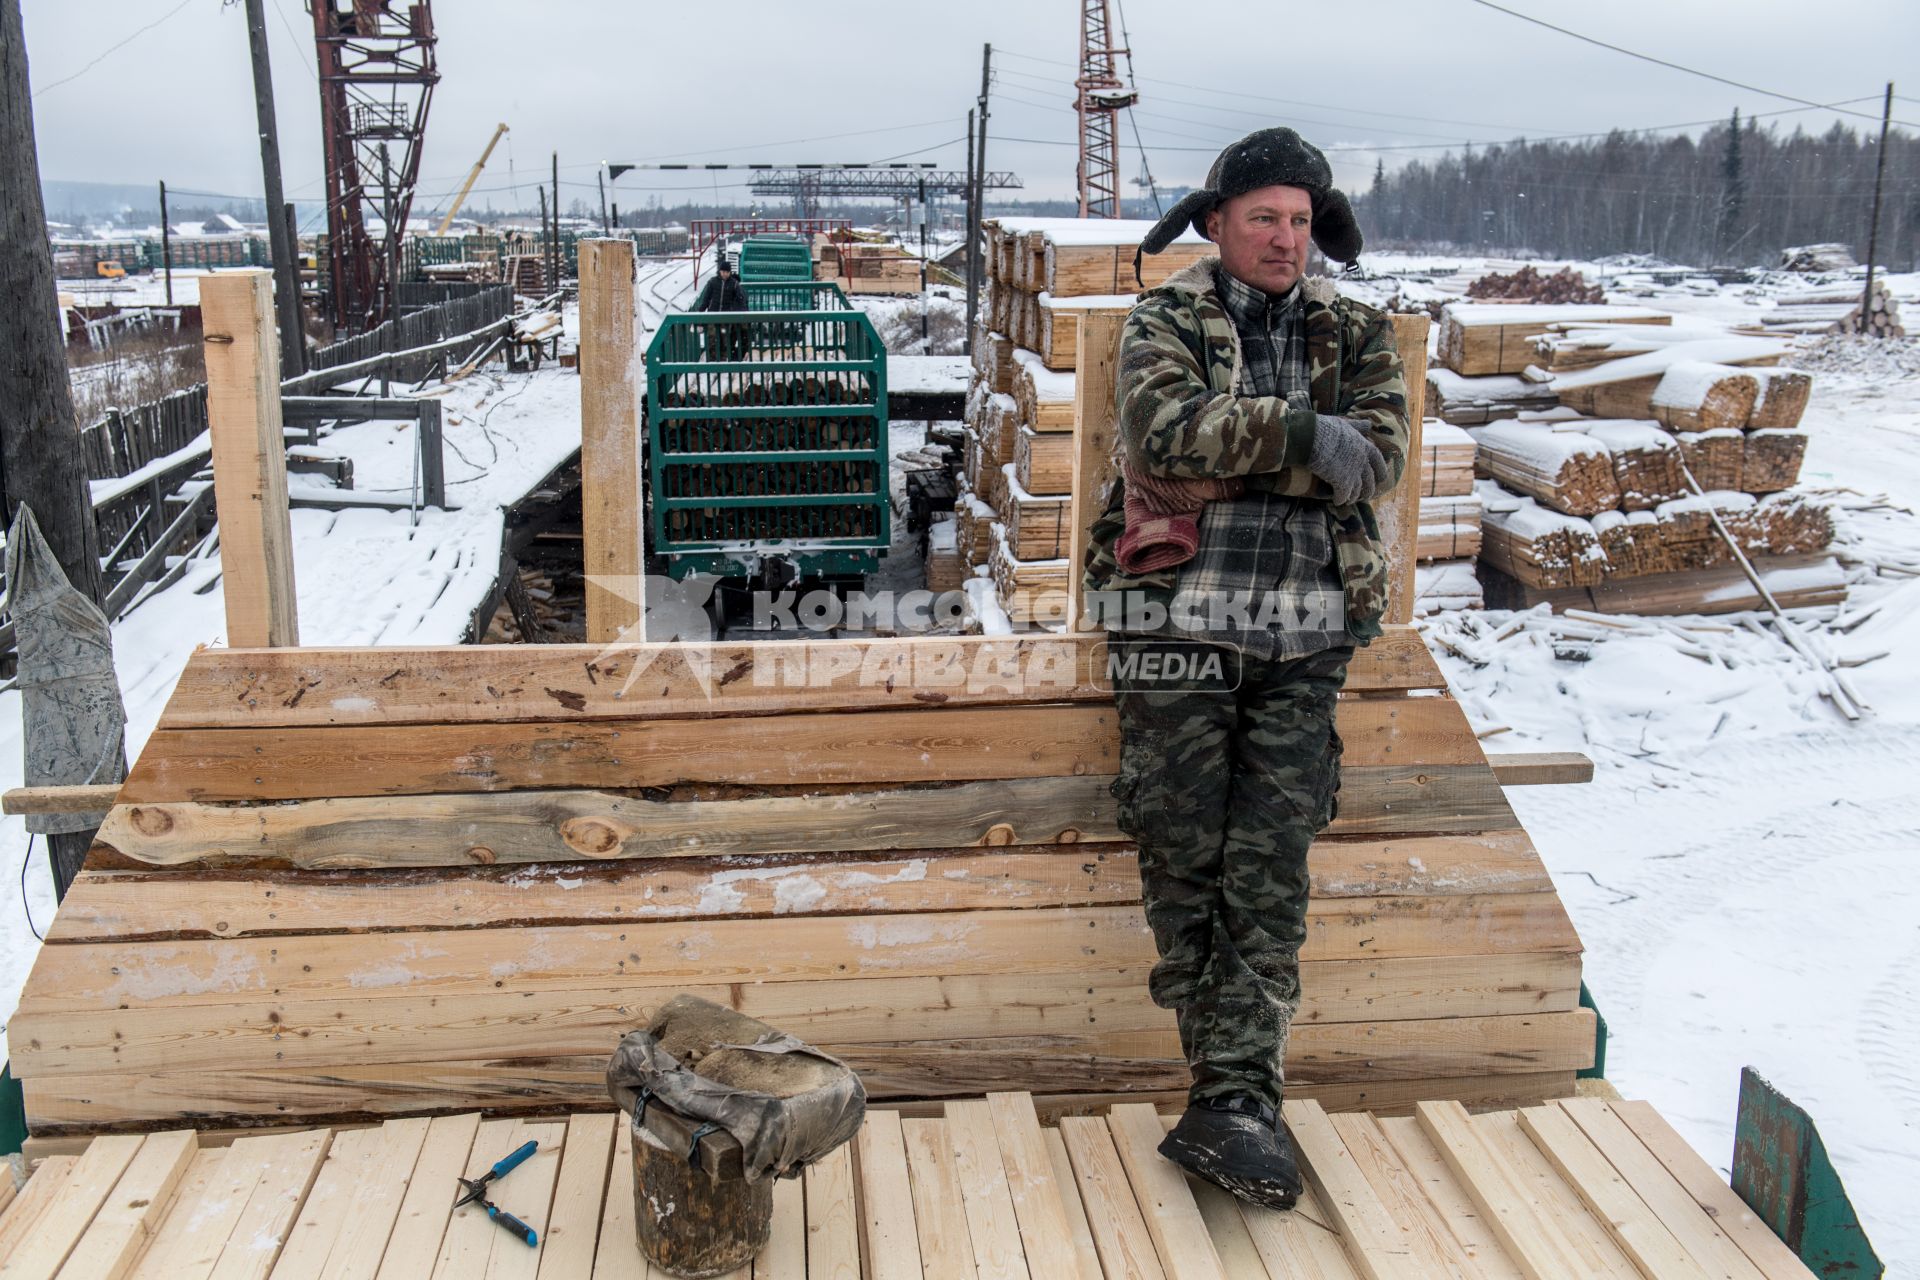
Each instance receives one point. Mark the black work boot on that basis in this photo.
(1237, 1143)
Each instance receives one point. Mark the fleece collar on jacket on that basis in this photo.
(1195, 280)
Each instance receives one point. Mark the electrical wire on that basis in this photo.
(26, 906)
(1673, 66)
(110, 51)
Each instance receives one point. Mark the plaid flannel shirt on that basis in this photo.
(1263, 543)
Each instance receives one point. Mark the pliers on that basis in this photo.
(476, 1193)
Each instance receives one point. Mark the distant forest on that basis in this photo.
(1735, 196)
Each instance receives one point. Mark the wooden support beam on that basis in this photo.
(1400, 514)
(1094, 433)
(83, 798)
(249, 458)
(1537, 768)
(610, 499)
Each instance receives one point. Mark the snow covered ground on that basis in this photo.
(1742, 869)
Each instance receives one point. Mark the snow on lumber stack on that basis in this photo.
(1470, 402)
(1577, 388)
(1030, 590)
(1451, 584)
(1694, 395)
(1646, 461)
(1079, 257)
(1567, 471)
(973, 528)
(993, 361)
(1567, 347)
(1449, 528)
(1045, 396)
(1771, 460)
(1783, 397)
(1795, 582)
(1535, 545)
(1038, 527)
(946, 570)
(1446, 460)
(1492, 337)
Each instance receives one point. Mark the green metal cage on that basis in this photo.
(767, 436)
(769, 258)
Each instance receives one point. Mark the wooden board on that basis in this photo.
(285, 688)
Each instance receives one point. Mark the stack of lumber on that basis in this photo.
(1038, 526)
(1494, 337)
(1045, 396)
(347, 884)
(1446, 460)
(1449, 528)
(1782, 399)
(1716, 457)
(1564, 347)
(1537, 545)
(1472, 402)
(1794, 581)
(1031, 589)
(1626, 387)
(1695, 395)
(1043, 461)
(868, 268)
(1055, 331)
(1449, 533)
(973, 522)
(1000, 1185)
(1836, 310)
(1446, 584)
(1081, 257)
(946, 570)
(1646, 461)
(1817, 257)
(993, 364)
(1568, 471)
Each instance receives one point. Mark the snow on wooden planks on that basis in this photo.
(1575, 1187)
(373, 882)
(1492, 337)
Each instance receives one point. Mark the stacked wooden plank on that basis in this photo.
(1446, 460)
(356, 883)
(1449, 528)
(946, 569)
(1045, 270)
(1537, 545)
(993, 1186)
(1626, 387)
(1568, 471)
(1646, 461)
(1031, 589)
(1449, 533)
(1037, 526)
(1472, 402)
(1495, 337)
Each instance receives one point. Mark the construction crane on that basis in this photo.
(1100, 96)
(472, 177)
(377, 74)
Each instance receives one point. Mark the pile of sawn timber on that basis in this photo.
(360, 882)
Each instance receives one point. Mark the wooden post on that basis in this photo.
(249, 458)
(610, 501)
(1094, 432)
(1400, 515)
(433, 460)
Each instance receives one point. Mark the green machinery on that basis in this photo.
(767, 438)
(764, 259)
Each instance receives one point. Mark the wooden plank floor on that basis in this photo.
(1564, 1191)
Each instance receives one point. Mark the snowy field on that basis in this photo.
(1742, 869)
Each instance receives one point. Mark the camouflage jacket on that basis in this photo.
(1179, 415)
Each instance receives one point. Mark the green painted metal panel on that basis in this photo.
(1781, 1169)
(13, 1113)
(1598, 1071)
(767, 435)
(770, 258)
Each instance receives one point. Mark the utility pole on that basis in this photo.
(978, 189)
(606, 223)
(166, 244)
(40, 461)
(546, 254)
(1873, 223)
(556, 220)
(392, 325)
(286, 285)
(972, 245)
(926, 303)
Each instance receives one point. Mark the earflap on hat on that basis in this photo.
(1335, 229)
(1192, 208)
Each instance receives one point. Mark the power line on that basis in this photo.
(109, 52)
(1675, 66)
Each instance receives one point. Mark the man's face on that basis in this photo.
(1263, 236)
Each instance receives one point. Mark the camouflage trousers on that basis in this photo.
(1224, 783)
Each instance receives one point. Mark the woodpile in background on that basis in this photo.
(1836, 310)
(1529, 285)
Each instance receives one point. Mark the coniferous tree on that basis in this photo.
(1733, 191)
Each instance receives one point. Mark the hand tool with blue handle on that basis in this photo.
(477, 1192)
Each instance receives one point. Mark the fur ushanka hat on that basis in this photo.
(1267, 158)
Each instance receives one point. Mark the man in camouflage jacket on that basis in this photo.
(1230, 769)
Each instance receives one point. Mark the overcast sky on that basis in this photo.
(861, 80)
